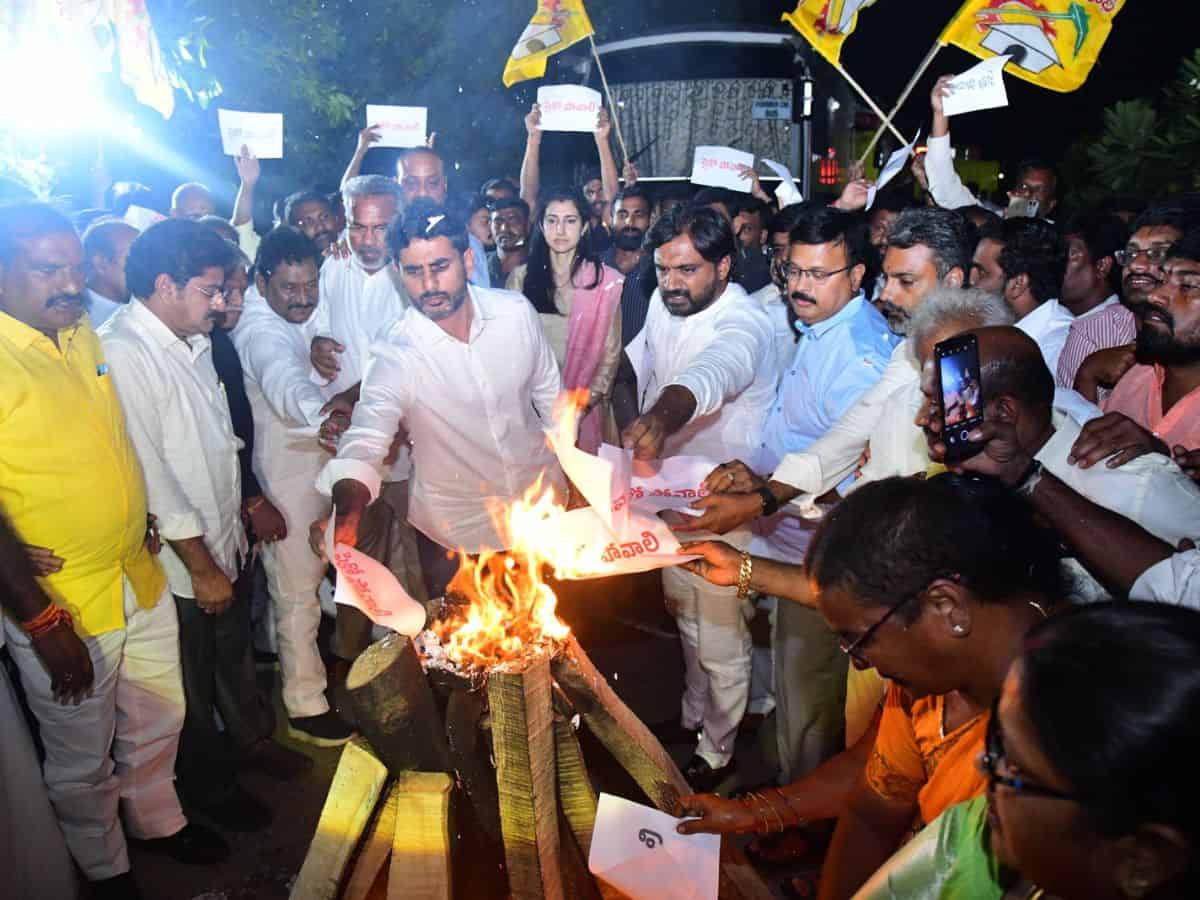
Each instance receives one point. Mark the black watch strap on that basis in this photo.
(770, 504)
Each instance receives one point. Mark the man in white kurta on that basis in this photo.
(707, 372)
(469, 374)
(289, 408)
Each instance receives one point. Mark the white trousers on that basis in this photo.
(294, 573)
(715, 636)
(117, 747)
(33, 855)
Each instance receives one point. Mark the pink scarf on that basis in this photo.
(591, 317)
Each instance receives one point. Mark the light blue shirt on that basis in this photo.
(480, 277)
(835, 362)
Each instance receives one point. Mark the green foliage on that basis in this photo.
(1146, 149)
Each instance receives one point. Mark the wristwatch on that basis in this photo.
(770, 504)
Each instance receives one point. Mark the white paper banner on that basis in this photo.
(891, 168)
(372, 589)
(787, 193)
(262, 133)
(672, 483)
(399, 126)
(720, 167)
(142, 218)
(581, 546)
(637, 850)
(980, 87)
(569, 107)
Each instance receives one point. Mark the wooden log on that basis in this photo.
(579, 883)
(374, 850)
(356, 787)
(523, 744)
(469, 759)
(575, 793)
(421, 862)
(394, 707)
(617, 728)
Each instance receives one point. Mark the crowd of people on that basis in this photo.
(982, 669)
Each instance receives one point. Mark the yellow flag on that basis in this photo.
(826, 23)
(1053, 43)
(555, 26)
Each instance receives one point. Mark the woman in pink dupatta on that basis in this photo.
(577, 298)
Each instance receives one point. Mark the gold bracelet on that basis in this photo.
(744, 574)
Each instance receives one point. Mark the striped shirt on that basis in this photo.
(1108, 325)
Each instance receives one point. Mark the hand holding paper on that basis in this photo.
(260, 133)
(372, 589)
(399, 126)
(891, 168)
(569, 107)
(720, 167)
(980, 87)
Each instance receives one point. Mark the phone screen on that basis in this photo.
(961, 393)
(1020, 207)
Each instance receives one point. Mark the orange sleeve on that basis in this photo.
(895, 770)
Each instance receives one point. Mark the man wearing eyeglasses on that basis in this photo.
(160, 356)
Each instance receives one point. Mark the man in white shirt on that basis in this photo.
(289, 408)
(105, 247)
(706, 367)
(160, 357)
(469, 375)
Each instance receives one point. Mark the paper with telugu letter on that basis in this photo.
(580, 546)
(637, 850)
(371, 588)
(721, 167)
(399, 126)
(261, 133)
(569, 107)
(891, 169)
(980, 87)
(786, 193)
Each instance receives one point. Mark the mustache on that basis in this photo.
(432, 296)
(300, 305)
(1143, 309)
(63, 299)
(676, 295)
(800, 295)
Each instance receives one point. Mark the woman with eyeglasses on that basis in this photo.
(577, 298)
(1089, 755)
(935, 583)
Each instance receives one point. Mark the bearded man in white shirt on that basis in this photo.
(178, 419)
(289, 408)
(706, 367)
(469, 375)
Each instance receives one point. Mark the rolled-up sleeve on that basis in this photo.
(147, 414)
(730, 362)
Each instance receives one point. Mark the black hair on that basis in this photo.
(1021, 375)
(892, 200)
(98, 238)
(674, 190)
(178, 248)
(790, 216)
(86, 218)
(889, 539)
(1112, 692)
(980, 218)
(221, 226)
(589, 175)
(633, 190)
(745, 203)
(511, 203)
(425, 220)
(1033, 247)
(284, 244)
(826, 225)
(1187, 247)
(1103, 234)
(944, 231)
(991, 230)
(1030, 163)
(1166, 216)
(502, 183)
(711, 233)
(710, 195)
(25, 221)
(1120, 203)
(299, 199)
(539, 276)
(129, 193)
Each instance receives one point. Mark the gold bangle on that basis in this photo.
(744, 575)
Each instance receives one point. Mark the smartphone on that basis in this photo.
(1021, 207)
(961, 391)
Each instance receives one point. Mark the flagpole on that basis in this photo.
(912, 82)
(871, 103)
(616, 119)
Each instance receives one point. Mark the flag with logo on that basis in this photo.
(1053, 43)
(826, 23)
(555, 26)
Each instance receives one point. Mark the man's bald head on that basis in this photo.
(1016, 381)
(422, 173)
(192, 201)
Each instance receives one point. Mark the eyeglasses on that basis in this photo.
(1188, 281)
(854, 648)
(212, 293)
(820, 276)
(993, 759)
(1154, 255)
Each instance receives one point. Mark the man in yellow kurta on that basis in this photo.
(72, 487)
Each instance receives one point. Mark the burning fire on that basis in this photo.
(510, 608)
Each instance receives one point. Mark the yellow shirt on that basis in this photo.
(69, 478)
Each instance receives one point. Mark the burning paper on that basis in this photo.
(371, 588)
(637, 850)
(578, 544)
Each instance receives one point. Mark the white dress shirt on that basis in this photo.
(475, 412)
(178, 420)
(785, 335)
(945, 185)
(1048, 325)
(725, 356)
(100, 308)
(1175, 580)
(882, 417)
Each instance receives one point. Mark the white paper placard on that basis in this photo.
(399, 126)
(142, 218)
(569, 107)
(262, 133)
(372, 589)
(787, 193)
(980, 87)
(721, 167)
(891, 168)
(637, 850)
